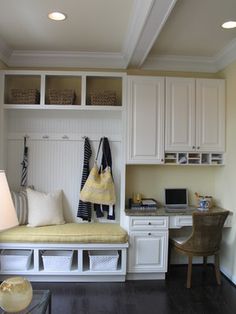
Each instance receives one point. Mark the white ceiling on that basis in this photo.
(150, 34)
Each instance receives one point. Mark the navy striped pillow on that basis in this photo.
(20, 202)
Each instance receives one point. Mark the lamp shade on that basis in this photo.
(8, 217)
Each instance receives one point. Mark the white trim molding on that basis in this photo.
(66, 59)
(193, 63)
(180, 63)
(226, 56)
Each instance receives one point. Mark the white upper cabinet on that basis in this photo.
(145, 120)
(180, 114)
(195, 115)
(210, 115)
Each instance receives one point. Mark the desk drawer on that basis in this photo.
(148, 223)
(180, 221)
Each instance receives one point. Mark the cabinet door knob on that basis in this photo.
(149, 223)
(149, 233)
(193, 147)
(198, 147)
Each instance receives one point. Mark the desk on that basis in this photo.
(175, 220)
(40, 304)
(148, 237)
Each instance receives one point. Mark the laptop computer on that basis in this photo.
(176, 199)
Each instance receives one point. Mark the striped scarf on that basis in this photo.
(24, 172)
(84, 208)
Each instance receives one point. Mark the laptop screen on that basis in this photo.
(176, 197)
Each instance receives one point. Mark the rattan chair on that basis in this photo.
(204, 240)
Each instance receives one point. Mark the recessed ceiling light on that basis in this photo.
(57, 16)
(229, 24)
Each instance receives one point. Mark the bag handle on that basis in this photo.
(99, 147)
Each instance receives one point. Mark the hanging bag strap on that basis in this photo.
(101, 147)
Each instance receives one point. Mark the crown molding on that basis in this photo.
(226, 56)
(180, 63)
(29, 58)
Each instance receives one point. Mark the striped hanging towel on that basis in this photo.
(24, 172)
(84, 208)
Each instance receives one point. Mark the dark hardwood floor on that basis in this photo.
(146, 297)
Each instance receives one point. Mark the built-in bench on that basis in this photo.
(81, 238)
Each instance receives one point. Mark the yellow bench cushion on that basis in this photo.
(67, 233)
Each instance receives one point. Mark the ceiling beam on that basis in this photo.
(147, 20)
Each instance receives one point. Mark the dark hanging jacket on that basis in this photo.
(106, 161)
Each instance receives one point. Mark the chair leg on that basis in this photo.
(190, 258)
(217, 268)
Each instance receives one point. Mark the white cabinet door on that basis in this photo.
(210, 115)
(145, 142)
(195, 116)
(180, 114)
(148, 251)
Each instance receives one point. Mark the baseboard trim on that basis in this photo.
(146, 276)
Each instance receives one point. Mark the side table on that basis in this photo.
(40, 304)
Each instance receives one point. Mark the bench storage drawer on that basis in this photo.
(15, 259)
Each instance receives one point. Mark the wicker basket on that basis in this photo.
(103, 260)
(61, 97)
(25, 96)
(107, 98)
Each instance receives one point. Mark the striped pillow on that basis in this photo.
(20, 202)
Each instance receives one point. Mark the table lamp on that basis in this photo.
(16, 292)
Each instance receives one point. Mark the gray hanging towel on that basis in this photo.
(84, 208)
(24, 172)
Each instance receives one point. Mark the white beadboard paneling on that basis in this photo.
(55, 121)
(57, 164)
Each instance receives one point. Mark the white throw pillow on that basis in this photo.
(44, 208)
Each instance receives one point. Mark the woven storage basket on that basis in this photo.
(57, 260)
(107, 98)
(25, 96)
(15, 259)
(103, 260)
(61, 97)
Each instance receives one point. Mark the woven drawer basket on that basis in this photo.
(25, 96)
(15, 259)
(61, 97)
(108, 98)
(57, 260)
(103, 260)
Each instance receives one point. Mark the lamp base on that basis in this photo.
(15, 294)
